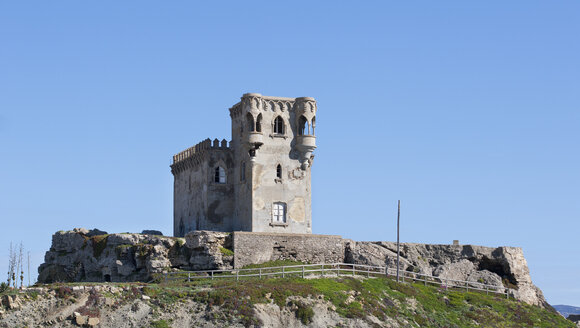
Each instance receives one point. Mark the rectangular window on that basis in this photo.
(279, 212)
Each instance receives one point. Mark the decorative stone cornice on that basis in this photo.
(255, 102)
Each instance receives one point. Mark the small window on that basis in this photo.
(279, 125)
(220, 175)
(279, 212)
(279, 171)
(243, 172)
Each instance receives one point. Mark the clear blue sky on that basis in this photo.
(467, 111)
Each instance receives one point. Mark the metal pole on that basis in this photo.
(398, 218)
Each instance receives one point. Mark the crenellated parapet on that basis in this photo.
(193, 156)
(255, 103)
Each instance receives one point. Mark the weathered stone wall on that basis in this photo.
(260, 247)
(199, 203)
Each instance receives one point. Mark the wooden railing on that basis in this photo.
(333, 269)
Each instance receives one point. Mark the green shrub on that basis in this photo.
(226, 252)
(99, 244)
(304, 312)
(160, 324)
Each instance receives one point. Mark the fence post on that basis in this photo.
(338, 270)
(237, 277)
(466, 286)
(188, 277)
(322, 267)
(211, 275)
(260, 273)
(165, 276)
(303, 272)
(368, 272)
(283, 273)
(353, 270)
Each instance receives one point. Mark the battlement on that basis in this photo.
(192, 155)
(259, 102)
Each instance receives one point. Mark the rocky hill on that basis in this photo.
(283, 302)
(94, 256)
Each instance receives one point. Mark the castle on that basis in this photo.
(260, 182)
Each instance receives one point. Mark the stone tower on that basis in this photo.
(259, 182)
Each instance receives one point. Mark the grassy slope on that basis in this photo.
(409, 304)
(380, 297)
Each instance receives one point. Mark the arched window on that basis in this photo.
(250, 122)
(302, 126)
(220, 175)
(279, 125)
(279, 171)
(259, 123)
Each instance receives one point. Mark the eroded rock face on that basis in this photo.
(83, 255)
(501, 266)
(208, 249)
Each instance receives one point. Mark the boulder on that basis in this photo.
(458, 271)
(207, 248)
(93, 322)
(80, 320)
(11, 302)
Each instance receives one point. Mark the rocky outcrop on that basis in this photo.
(83, 255)
(210, 250)
(501, 266)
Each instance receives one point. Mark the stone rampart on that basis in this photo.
(260, 247)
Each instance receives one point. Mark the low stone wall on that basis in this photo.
(260, 247)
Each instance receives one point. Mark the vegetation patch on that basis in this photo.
(408, 304)
(304, 312)
(226, 252)
(160, 324)
(99, 243)
(276, 263)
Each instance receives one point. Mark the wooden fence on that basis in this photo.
(333, 270)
